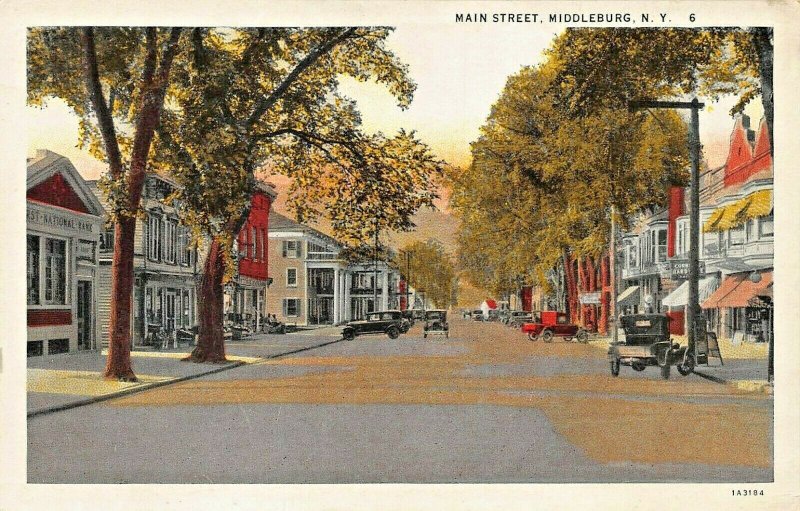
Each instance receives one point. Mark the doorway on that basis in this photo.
(84, 314)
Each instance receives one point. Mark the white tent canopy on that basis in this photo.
(680, 296)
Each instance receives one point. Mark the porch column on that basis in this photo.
(336, 295)
(348, 313)
(385, 294)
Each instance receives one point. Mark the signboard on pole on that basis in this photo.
(590, 298)
(679, 268)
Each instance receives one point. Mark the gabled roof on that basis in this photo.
(48, 164)
(282, 223)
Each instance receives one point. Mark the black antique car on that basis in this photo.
(408, 316)
(436, 323)
(384, 322)
(647, 343)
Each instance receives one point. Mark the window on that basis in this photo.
(33, 270)
(55, 271)
(682, 241)
(154, 237)
(291, 248)
(291, 307)
(55, 346)
(186, 309)
(750, 228)
(107, 240)
(736, 235)
(766, 226)
(183, 237)
(263, 244)
(254, 242)
(660, 239)
(35, 348)
(170, 240)
(291, 277)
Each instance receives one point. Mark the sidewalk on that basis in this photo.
(59, 382)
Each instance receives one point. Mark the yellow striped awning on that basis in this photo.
(760, 204)
(726, 217)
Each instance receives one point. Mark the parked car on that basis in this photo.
(548, 324)
(436, 323)
(647, 343)
(494, 315)
(383, 322)
(517, 318)
(477, 315)
(418, 314)
(408, 317)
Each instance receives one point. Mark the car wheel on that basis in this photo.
(615, 367)
(393, 333)
(638, 366)
(686, 367)
(349, 335)
(446, 334)
(425, 335)
(665, 371)
(583, 336)
(547, 336)
(532, 337)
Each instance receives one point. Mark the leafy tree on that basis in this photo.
(115, 80)
(267, 100)
(431, 269)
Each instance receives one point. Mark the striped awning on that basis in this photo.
(680, 297)
(754, 205)
(629, 297)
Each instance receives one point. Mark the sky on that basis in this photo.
(460, 70)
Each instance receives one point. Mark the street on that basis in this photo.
(485, 405)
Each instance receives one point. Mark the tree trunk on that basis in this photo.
(118, 363)
(605, 296)
(211, 339)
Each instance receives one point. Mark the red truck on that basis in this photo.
(549, 324)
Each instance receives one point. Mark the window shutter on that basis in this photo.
(283, 244)
(285, 305)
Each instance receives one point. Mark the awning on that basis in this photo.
(736, 290)
(754, 205)
(629, 297)
(680, 297)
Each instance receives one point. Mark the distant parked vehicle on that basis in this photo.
(517, 318)
(384, 322)
(408, 315)
(436, 323)
(494, 315)
(548, 324)
(477, 315)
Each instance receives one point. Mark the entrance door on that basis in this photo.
(170, 311)
(84, 315)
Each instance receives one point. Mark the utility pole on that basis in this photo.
(408, 279)
(375, 275)
(612, 267)
(692, 307)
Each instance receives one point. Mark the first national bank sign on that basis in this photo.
(59, 221)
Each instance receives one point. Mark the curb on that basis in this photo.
(142, 388)
(746, 385)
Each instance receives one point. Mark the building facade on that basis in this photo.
(736, 246)
(165, 265)
(313, 285)
(64, 220)
(245, 296)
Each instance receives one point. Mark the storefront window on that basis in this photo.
(55, 273)
(33, 270)
(750, 228)
(662, 245)
(186, 316)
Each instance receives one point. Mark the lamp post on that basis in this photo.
(694, 203)
(755, 278)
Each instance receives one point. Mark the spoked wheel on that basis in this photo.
(393, 333)
(532, 337)
(582, 337)
(349, 335)
(687, 366)
(547, 336)
(615, 367)
(638, 366)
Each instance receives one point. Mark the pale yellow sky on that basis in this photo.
(460, 70)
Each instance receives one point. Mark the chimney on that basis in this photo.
(745, 121)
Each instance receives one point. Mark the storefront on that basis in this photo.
(63, 228)
(741, 306)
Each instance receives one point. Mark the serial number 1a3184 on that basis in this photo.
(743, 493)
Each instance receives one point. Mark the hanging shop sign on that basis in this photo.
(590, 298)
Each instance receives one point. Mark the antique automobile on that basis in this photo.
(494, 315)
(477, 315)
(548, 324)
(436, 323)
(384, 322)
(517, 318)
(647, 343)
(408, 317)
